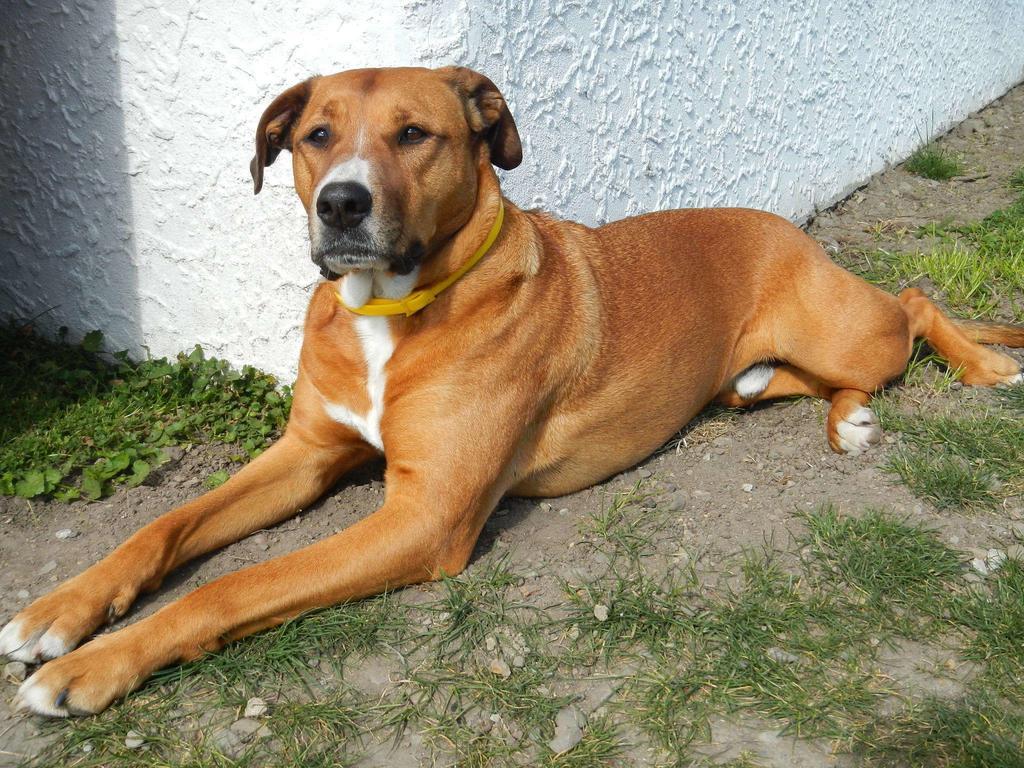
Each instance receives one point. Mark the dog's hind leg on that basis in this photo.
(979, 365)
(766, 381)
(852, 426)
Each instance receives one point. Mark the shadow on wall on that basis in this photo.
(66, 241)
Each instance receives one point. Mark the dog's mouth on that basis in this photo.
(338, 258)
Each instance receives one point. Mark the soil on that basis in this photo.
(778, 449)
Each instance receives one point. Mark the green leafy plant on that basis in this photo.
(76, 422)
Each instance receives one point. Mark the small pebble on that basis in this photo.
(569, 725)
(748, 487)
(248, 729)
(674, 502)
(87, 747)
(995, 559)
(15, 672)
(500, 668)
(134, 740)
(601, 612)
(644, 473)
(50, 566)
(255, 707)
(1015, 552)
(519, 662)
(490, 643)
(980, 566)
(781, 656)
(23, 594)
(66, 533)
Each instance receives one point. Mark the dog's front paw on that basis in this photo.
(83, 682)
(856, 432)
(57, 622)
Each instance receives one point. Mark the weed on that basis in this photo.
(641, 610)
(74, 424)
(765, 648)
(934, 162)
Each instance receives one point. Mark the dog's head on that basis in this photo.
(386, 161)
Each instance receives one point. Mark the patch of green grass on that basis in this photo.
(1017, 180)
(319, 732)
(619, 528)
(978, 268)
(886, 565)
(642, 611)
(75, 423)
(448, 703)
(978, 731)
(767, 648)
(967, 461)
(934, 162)
(282, 654)
(601, 746)
(926, 368)
(472, 605)
(98, 742)
(995, 621)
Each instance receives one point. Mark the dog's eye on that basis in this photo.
(412, 134)
(318, 137)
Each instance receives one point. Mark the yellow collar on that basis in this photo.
(421, 297)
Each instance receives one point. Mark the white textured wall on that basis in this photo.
(125, 200)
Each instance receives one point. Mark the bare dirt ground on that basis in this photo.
(733, 481)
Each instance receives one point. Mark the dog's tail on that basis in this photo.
(992, 333)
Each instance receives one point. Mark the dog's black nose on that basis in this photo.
(344, 204)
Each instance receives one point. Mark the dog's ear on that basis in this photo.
(274, 132)
(488, 115)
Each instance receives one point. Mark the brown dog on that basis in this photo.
(565, 355)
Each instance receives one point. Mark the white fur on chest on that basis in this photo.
(375, 338)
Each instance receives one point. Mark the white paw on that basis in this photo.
(36, 697)
(859, 431)
(16, 643)
(1012, 381)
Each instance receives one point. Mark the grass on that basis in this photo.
(934, 162)
(790, 642)
(974, 732)
(76, 422)
(977, 269)
(918, 570)
(1017, 180)
(968, 461)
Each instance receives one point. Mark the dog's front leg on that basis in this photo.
(290, 474)
(412, 538)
